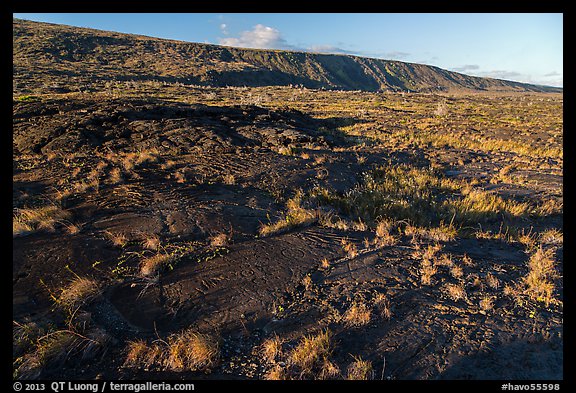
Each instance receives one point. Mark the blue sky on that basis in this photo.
(524, 47)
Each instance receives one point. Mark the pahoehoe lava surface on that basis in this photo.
(164, 189)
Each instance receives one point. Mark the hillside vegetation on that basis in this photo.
(70, 58)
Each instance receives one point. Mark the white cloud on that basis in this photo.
(466, 67)
(329, 49)
(261, 37)
(550, 79)
(396, 55)
(224, 28)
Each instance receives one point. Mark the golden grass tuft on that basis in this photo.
(307, 282)
(427, 271)
(78, 292)
(349, 248)
(539, 281)
(118, 239)
(441, 233)
(359, 370)
(29, 220)
(295, 216)
(190, 350)
(329, 371)
(154, 264)
(486, 303)
(384, 237)
(455, 292)
(229, 179)
(492, 281)
(271, 348)
(456, 271)
(382, 303)
(151, 242)
(357, 315)
(551, 237)
(219, 240)
(73, 229)
(115, 176)
(384, 227)
(311, 350)
(140, 354)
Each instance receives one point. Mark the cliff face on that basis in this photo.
(47, 55)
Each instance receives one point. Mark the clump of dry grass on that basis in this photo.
(115, 176)
(307, 282)
(320, 159)
(550, 207)
(428, 263)
(479, 205)
(349, 248)
(551, 237)
(140, 354)
(431, 251)
(359, 370)
(455, 292)
(187, 350)
(78, 292)
(29, 220)
(441, 233)
(528, 239)
(359, 226)
(325, 263)
(486, 303)
(72, 228)
(151, 242)
(467, 261)
(229, 179)
(54, 348)
(384, 237)
(427, 271)
(180, 176)
(357, 315)
(492, 281)
(445, 260)
(296, 215)
(153, 264)
(311, 351)
(190, 350)
(271, 348)
(539, 281)
(329, 371)
(382, 303)
(456, 271)
(219, 240)
(384, 227)
(118, 239)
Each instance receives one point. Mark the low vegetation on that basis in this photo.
(187, 350)
(410, 217)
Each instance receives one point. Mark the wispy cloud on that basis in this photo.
(549, 79)
(395, 55)
(329, 49)
(260, 37)
(503, 74)
(466, 68)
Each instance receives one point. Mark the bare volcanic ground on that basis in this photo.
(264, 230)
